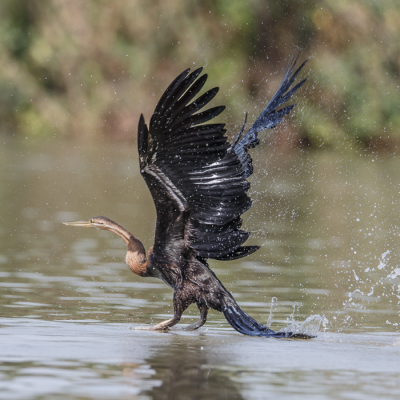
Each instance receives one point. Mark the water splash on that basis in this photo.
(384, 259)
(310, 327)
(271, 315)
(371, 287)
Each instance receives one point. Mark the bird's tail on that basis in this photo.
(243, 323)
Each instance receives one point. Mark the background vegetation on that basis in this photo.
(85, 68)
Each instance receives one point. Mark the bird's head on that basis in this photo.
(95, 222)
(107, 224)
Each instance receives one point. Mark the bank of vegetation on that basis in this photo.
(82, 69)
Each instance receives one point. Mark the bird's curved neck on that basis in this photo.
(136, 255)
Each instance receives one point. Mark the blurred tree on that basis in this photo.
(83, 68)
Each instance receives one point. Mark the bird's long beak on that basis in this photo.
(80, 223)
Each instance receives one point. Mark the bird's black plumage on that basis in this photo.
(199, 185)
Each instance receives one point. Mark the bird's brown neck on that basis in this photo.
(136, 255)
(137, 261)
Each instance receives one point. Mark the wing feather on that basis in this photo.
(197, 180)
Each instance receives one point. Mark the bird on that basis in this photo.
(199, 184)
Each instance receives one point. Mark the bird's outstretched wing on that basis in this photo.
(270, 117)
(197, 180)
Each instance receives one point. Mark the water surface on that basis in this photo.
(329, 229)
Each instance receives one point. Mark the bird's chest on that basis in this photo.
(169, 273)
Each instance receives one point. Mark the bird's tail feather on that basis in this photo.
(247, 325)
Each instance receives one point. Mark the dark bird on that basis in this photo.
(198, 182)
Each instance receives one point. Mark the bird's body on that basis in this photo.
(199, 185)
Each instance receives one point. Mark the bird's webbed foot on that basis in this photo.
(203, 318)
(162, 326)
(143, 328)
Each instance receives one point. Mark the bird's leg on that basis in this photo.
(203, 318)
(178, 311)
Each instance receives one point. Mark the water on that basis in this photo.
(329, 229)
(110, 361)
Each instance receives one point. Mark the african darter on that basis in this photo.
(198, 182)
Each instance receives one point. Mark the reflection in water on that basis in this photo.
(107, 361)
(185, 372)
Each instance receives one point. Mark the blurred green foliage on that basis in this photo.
(85, 68)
